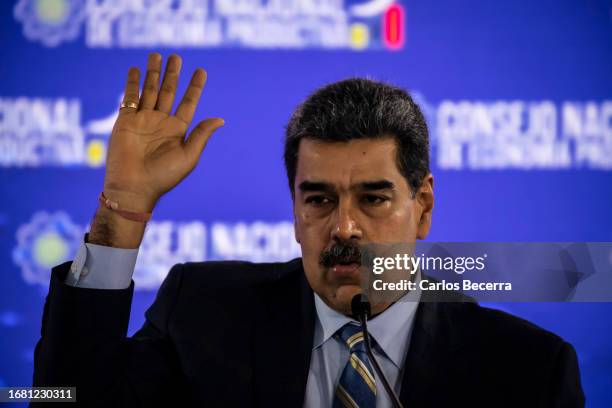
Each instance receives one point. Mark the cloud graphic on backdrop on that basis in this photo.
(47, 240)
(370, 8)
(51, 21)
(104, 126)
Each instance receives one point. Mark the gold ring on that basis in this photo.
(129, 105)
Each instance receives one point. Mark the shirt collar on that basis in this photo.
(391, 329)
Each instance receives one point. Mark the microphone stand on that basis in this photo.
(360, 306)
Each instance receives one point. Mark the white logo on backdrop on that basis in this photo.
(38, 132)
(523, 135)
(51, 239)
(466, 134)
(51, 21)
(294, 24)
(45, 241)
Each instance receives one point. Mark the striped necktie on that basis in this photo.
(357, 386)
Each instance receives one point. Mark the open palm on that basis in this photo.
(148, 153)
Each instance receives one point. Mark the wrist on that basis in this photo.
(111, 229)
(130, 201)
(130, 215)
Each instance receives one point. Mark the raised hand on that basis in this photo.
(148, 152)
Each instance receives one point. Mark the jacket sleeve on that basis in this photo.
(84, 344)
(566, 389)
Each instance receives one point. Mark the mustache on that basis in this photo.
(340, 252)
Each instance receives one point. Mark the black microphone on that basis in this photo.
(361, 309)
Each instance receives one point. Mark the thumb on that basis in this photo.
(199, 137)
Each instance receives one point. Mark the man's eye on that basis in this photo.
(374, 199)
(317, 200)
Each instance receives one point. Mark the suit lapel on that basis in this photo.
(428, 357)
(283, 341)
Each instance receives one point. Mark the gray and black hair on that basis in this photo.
(360, 108)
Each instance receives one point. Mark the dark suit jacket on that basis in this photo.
(238, 334)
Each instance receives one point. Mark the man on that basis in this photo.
(281, 334)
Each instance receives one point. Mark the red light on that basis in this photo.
(393, 27)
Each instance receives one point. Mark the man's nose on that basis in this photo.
(346, 226)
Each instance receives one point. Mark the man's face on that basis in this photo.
(352, 193)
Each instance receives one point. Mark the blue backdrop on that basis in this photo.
(518, 96)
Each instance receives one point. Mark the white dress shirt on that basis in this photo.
(391, 330)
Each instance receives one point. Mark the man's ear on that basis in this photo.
(425, 201)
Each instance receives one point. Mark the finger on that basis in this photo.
(151, 83)
(190, 100)
(199, 137)
(165, 99)
(131, 90)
